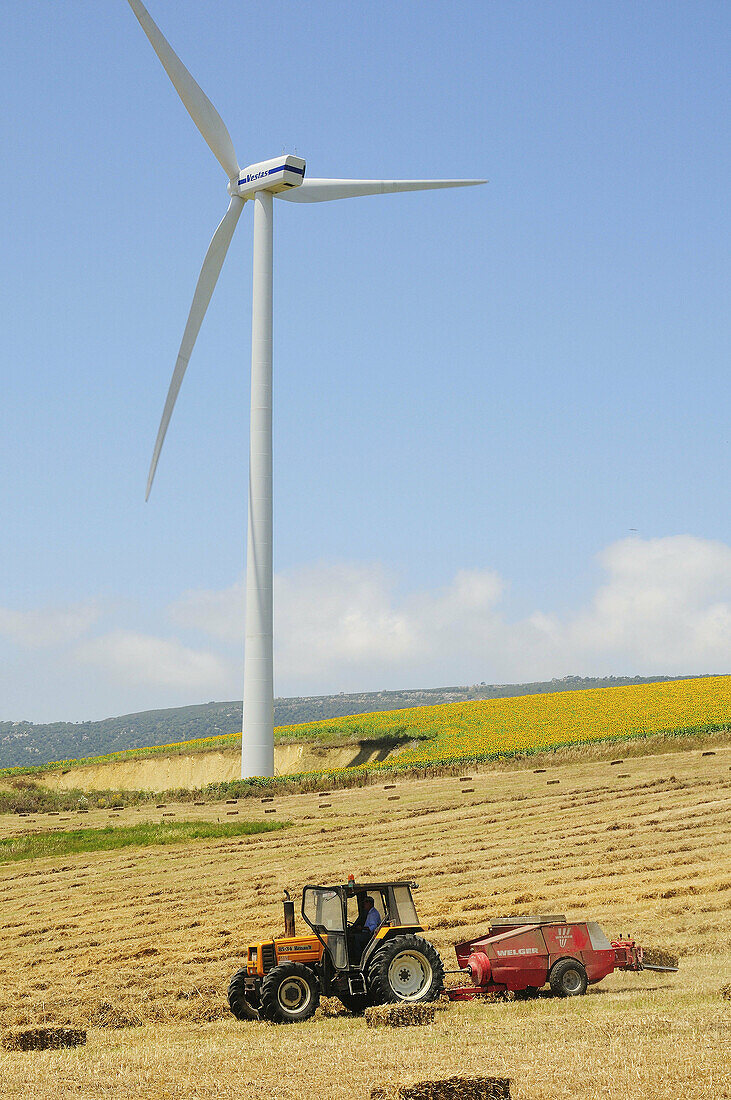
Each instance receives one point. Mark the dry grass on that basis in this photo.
(154, 934)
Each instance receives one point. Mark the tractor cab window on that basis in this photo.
(404, 904)
(356, 908)
(323, 910)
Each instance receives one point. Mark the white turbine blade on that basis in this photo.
(312, 190)
(195, 100)
(207, 280)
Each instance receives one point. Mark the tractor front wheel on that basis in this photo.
(238, 1001)
(289, 993)
(568, 978)
(406, 968)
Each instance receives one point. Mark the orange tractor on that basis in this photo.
(284, 977)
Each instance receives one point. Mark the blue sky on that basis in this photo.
(501, 414)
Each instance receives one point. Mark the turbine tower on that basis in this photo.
(283, 178)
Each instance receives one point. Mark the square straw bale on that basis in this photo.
(399, 1015)
(458, 1088)
(331, 1006)
(659, 956)
(43, 1038)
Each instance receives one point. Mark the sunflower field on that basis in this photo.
(450, 733)
(531, 723)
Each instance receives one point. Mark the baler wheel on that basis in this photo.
(289, 993)
(406, 968)
(238, 1002)
(568, 978)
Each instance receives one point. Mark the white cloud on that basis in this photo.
(48, 626)
(216, 612)
(663, 607)
(142, 659)
(666, 603)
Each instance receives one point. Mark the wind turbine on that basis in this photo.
(283, 177)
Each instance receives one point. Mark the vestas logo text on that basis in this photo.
(256, 176)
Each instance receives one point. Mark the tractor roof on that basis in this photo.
(379, 885)
(365, 886)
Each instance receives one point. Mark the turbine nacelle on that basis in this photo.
(279, 174)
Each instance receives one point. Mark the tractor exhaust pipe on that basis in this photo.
(288, 916)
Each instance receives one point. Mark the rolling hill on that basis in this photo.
(25, 744)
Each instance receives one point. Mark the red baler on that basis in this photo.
(520, 954)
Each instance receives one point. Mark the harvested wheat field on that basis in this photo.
(136, 945)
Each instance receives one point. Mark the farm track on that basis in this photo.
(155, 933)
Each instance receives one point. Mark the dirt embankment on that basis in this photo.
(191, 770)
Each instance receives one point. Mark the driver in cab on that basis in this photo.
(368, 920)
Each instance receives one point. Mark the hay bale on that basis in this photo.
(331, 1006)
(726, 991)
(458, 1088)
(399, 1015)
(659, 956)
(43, 1038)
(451, 1088)
(106, 1015)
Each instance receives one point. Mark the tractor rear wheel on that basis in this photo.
(289, 993)
(568, 978)
(406, 968)
(238, 1001)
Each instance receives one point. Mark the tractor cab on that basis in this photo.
(337, 915)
